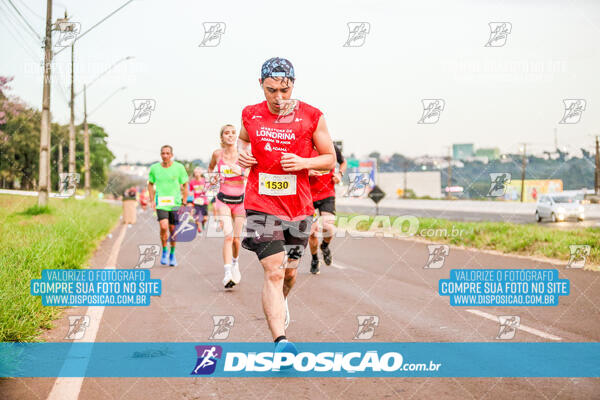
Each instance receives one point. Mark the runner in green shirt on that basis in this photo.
(167, 182)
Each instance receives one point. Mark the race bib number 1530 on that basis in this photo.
(276, 185)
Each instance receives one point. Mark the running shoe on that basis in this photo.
(173, 260)
(228, 279)
(326, 254)
(287, 315)
(236, 275)
(314, 267)
(285, 346)
(164, 259)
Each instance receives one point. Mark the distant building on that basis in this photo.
(426, 183)
(492, 153)
(462, 151)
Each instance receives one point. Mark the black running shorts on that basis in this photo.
(172, 216)
(325, 205)
(267, 235)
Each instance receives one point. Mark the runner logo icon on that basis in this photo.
(68, 184)
(508, 326)
(573, 110)
(499, 32)
(207, 359)
(77, 326)
(68, 32)
(366, 326)
(357, 33)
(143, 109)
(287, 111)
(293, 251)
(212, 34)
(222, 327)
(148, 255)
(579, 254)
(357, 184)
(213, 183)
(498, 185)
(432, 109)
(437, 255)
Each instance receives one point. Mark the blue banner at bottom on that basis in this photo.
(356, 359)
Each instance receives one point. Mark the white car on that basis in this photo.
(559, 207)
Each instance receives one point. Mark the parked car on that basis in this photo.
(559, 207)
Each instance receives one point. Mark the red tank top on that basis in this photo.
(321, 186)
(270, 189)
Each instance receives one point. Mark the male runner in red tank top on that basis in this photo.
(322, 187)
(276, 140)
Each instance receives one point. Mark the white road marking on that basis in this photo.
(338, 266)
(68, 388)
(525, 328)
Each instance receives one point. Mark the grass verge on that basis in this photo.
(522, 239)
(63, 235)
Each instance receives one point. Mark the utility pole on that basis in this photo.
(449, 194)
(405, 178)
(72, 120)
(45, 122)
(597, 172)
(86, 145)
(523, 166)
(60, 160)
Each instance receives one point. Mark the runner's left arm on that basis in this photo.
(324, 161)
(337, 177)
(183, 181)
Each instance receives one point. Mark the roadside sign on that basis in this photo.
(376, 194)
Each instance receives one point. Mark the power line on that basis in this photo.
(95, 25)
(18, 25)
(24, 20)
(20, 40)
(31, 11)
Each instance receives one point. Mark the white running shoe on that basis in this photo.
(228, 279)
(287, 315)
(235, 273)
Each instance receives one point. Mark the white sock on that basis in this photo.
(227, 268)
(235, 260)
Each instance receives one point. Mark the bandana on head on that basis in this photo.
(277, 68)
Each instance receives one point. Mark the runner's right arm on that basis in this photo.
(213, 161)
(245, 158)
(151, 194)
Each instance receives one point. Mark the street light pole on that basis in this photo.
(43, 183)
(523, 166)
(597, 171)
(86, 145)
(86, 136)
(108, 98)
(449, 184)
(72, 119)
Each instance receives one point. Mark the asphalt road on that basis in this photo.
(369, 276)
(461, 210)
